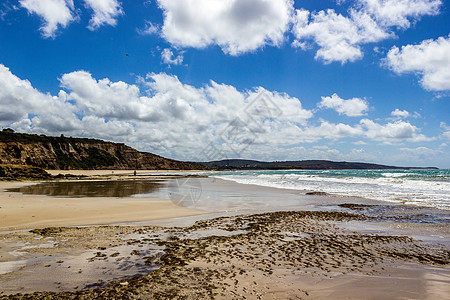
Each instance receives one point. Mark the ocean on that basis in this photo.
(422, 187)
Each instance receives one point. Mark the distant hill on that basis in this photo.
(242, 164)
(65, 153)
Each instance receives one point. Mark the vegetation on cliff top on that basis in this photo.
(8, 135)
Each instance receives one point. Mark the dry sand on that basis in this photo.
(18, 211)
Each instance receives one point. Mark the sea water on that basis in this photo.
(425, 187)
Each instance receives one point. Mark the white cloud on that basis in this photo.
(167, 117)
(430, 59)
(329, 130)
(400, 113)
(149, 29)
(422, 154)
(179, 114)
(446, 129)
(305, 152)
(354, 107)
(104, 12)
(169, 58)
(237, 26)
(60, 13)
(393, 131)
(55, 13)
(20, 101)
(340, 37)
(396, 12)
(103, 98)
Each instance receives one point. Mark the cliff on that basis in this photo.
(67, 153)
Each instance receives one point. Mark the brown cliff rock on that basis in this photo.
(79, 153)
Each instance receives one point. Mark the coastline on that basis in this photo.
(313, 247)
(417, 187)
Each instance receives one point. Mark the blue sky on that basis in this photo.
(364, 80)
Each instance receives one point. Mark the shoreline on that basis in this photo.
(400, 186)
(115, 172)
(158, 209)
(310, 247)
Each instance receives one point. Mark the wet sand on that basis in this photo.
(113, 172)
(285, 255)
(19, 211)
(330, 248)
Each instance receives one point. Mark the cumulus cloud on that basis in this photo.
(171, 113)
(104, 12)
(55, 14)
(171, 118)
(393, 131)
(102, 98)
(430, 59)
(354, 107)
(340, 37)
(19, 101)
(237, 26)
(332, 131)
(328, 153)
(60, 13)
(396, 12)
(400, 113)
(169, 58)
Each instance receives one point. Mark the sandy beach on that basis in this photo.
(19, 211)
(301, 247)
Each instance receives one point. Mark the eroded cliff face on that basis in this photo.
(72, 153)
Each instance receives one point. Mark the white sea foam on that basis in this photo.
(387, 186)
